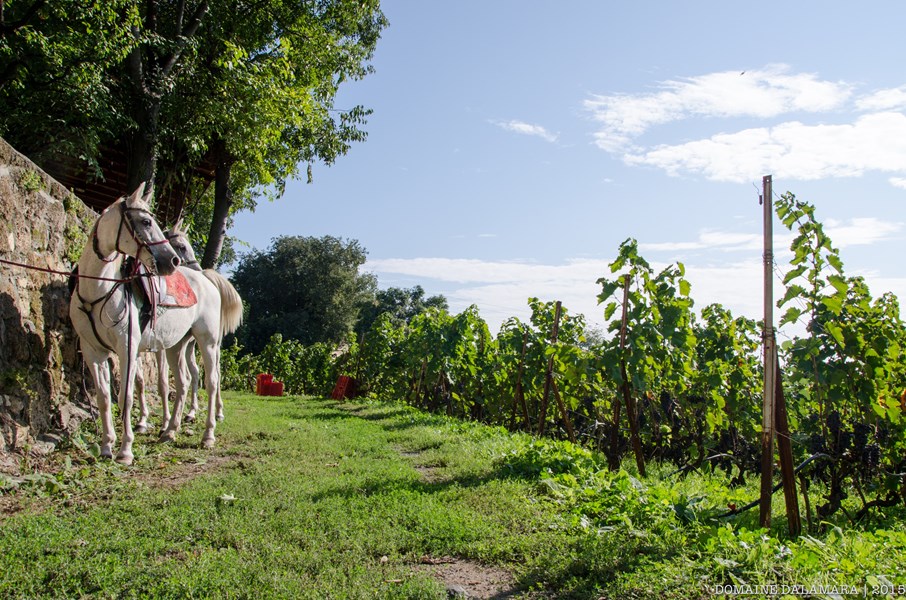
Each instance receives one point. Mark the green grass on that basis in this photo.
(309, 498)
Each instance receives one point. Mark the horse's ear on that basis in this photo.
(132, 199)
(149, 193)
(178, 226)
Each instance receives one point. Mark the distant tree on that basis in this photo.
(401, 304)
(305, 288)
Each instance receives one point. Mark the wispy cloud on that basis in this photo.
(861, 231)
(526, 129)
(883, 100)
(709, 240)
(501, 288)
(791, 151)
(867, 132)
(763, 93)
(858, 231)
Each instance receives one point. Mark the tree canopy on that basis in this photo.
(247, 87)
(306, 288)
(400, 304)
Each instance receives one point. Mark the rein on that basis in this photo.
(72, 273)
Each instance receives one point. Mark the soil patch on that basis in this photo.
(170, 475)
(469, 579)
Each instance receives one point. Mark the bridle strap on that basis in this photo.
(88, 306)
(124, 219)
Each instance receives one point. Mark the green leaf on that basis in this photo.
(685, 287)
(791, 315)
(840, 284)
(834, 261)
(833, 304)
(793, 291)
(835, 331)
(791, 275)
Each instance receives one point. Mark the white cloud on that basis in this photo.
(527, 129)
(763, 93)
(883, 100)
(874, 140)
(791, 151)
(501, 289)
(710, 239)
(860, 231)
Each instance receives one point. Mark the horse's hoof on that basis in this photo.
(141, 429)
(189, 418)
(220, 417)
(208, 443)
(167, 436)
(124, 459)
(106, 453)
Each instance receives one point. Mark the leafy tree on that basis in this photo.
(401, 304)
(256, 100)
(247, 87)
(55, 59)
(307, 289)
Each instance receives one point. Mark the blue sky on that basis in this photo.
(515, 144)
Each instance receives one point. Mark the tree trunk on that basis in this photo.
(223, 202)
(142, 144)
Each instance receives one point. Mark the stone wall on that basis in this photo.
(44, 390)
(45, 226)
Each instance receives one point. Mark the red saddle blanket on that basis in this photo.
(170, 290)
(175, 290)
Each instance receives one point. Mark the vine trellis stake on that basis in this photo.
(774, 415)
(767, 414)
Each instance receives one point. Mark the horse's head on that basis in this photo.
(128, 227)
(183, 247)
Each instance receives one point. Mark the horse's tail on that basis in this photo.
(230, 302)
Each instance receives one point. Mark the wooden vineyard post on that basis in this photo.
(519, 395)
(548, 377)
(627, 389)
(770, 360)
(418, 386)
(785, 448)
(567, 422)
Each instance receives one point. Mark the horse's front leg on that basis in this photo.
(143, 408)
(100, 373)
(192, 364)
(128, 367)
(163, 387)
(209, 354)
(176, 360)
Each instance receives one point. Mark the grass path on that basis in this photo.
(310, 498)
(301, 498)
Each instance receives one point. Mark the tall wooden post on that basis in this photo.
(770, 358)
(785, 450)
(627, 387)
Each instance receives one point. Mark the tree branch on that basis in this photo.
(183, 38)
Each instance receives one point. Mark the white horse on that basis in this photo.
(105, 312)
(179, 240)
